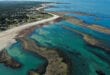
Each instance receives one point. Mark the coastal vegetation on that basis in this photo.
(17, 13)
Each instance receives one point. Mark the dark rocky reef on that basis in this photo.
(8, 60)
(40, 70)
(67, 60)
(99, 72)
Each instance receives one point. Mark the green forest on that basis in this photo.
(16, 13)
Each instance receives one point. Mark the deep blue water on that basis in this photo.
(98, 8)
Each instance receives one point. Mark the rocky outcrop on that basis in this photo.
(8, 60)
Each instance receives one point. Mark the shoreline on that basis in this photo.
(19, 34)
(45, 53)
(7, 37)
(47, 68)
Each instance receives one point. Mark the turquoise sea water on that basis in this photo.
(86, 60)
(28, 60)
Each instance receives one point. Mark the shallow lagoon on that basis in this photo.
(28, 60)
(86, 60)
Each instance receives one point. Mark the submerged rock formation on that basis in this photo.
(96, 43)
(56, 65)
(40, 70)
(90, 40)
(81, 23)
(99, 72)
(8, 60)
(33, 73)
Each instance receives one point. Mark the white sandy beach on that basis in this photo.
(7, 37)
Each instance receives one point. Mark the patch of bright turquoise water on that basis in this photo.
(98, 35)
(28, 60)
(86, 60)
